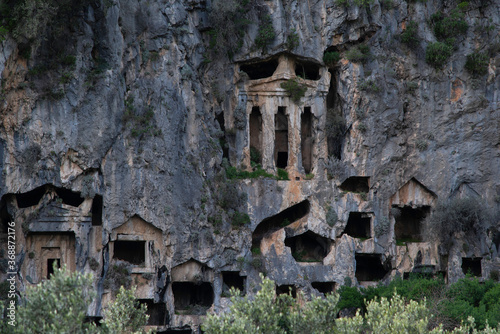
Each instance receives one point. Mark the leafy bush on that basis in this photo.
(437, 54)
(59, 305)
(477, 63)
(229, 197)
(295, 89)
(335, 168)
(369, 86)
(331, 58)
(460, 215)
(265, 34)
(118, 275)
(255, 157)
(239, 219)
(282, 175)
(269, 313)
(410, 35)
(292, 40)
(125, 314)
(448, 27)
(331, 217)
(229, 19)
(358, 54)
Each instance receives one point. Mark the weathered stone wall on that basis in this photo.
(144, 114)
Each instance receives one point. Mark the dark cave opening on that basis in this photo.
(358, 225)
(133, 252)
(308, 247)
(232, 279)
(223, 139)
(369, 267)
(306, 139)
(281, 138)
(157, 312)
(30, 198)
(50, 266)
(176, 331)
(193, 298)
(69, 197)
(5, 217)
(96, 210)
(286, 289)
(472, 265)
(356, 184)
(256, 135)
(307, 70)
(260, 70)
(324, 287)
(279, 220)
(408, 223)
(335, 126)
(496, 240)
(421, 271)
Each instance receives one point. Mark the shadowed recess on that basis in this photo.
(157, 312)
(131, 251)
(324, 287)
(369, 267)
(356, 184)
(260, 70)
(472, 265)
(69, 197)
(282, 219)
(30, 198)
(308, 247)
(193, 297)
(307, 70)
(286, 289)
(408, 223)
(358, 225)
(232, 279)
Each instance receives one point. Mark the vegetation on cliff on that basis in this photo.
(402, 307)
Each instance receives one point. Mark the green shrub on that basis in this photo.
(235, 173)
(292, 40)
(477, 63)
(465, 215)
(463, 6)
(255, 157)
(265, 34)
(295, 89)
(410, 35)
(230, 20)
(331, 58)
(282, 175)
(270, 313)
(437, 54)
(117, 275)
(331, 217)
(422, 145)
(335, 168)
(448, 27)
(358, 54)
(239, 219)
(57, 305)
(125, 314)
(369, 86)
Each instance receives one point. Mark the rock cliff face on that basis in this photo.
(123, 124)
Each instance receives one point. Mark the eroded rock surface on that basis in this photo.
(113, 151)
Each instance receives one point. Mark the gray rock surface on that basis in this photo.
(144, 115)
